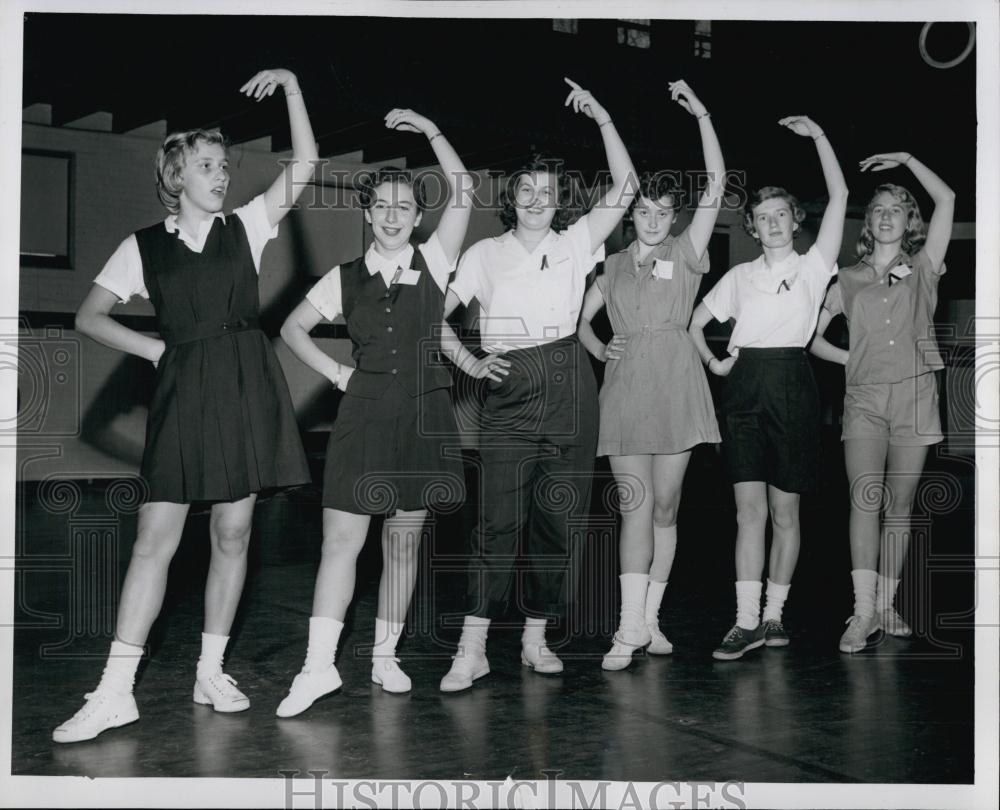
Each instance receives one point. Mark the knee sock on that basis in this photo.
(775, 600)
(885, 595)
(119, 672)
(634, 590)
(213, 648)
(474, 631)
(386, 638)
(864, 592)
(654, 596)
(324, 634)
(748, 604)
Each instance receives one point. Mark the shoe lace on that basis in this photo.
(733, 634)
(222, 682)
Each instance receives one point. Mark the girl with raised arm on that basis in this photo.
(539, 424)
(655, 402)
(387, 451)
(770, 404)
(221, 425)
(891, 401)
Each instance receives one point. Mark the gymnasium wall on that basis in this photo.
(82, 407)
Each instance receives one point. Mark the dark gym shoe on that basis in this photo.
(737, 642)
(773, 633)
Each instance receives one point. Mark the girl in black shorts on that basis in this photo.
(770, 425)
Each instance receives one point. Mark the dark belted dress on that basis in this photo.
(221, 423)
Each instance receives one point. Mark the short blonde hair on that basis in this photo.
(171, 159)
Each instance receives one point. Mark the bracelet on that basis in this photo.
(296, 92)
(908, 159)
(605, 123)
(432, 137)
(703, 115)
(821, 135)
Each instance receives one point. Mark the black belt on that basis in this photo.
(209, 329)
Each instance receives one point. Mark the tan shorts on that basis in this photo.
(905, 413)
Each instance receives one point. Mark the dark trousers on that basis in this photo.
(538, 442)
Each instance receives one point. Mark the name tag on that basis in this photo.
(899, 273)
(409, 277)
(663, 269)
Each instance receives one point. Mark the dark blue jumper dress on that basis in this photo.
(221, 423)
(394, 444)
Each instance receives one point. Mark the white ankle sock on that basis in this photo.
(634, 588)
(885, 595)
(474, 630)
(748, 604)
(654, 597)
(774, 601)
(213, 648)
(534, 631)
(324, 634)
(864, 591)
(119, 672)
(386, 638)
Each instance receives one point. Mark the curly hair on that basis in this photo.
(171, 158)
(770, 193)
(369, 181)
(566, 209)
(916, 230)
(654, 186)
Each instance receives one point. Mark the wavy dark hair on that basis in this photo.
(171, 158)
(566, 210)
(369, 181)
(655, 186)
(770, 193)
(916, 230)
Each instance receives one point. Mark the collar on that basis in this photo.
(770, 278)
(659, 251)
(170, 223)
(511, 242)
(901, 258)
(377, 263)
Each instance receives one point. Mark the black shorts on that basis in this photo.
(770, 424)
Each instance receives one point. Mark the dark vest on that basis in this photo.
(395, 331)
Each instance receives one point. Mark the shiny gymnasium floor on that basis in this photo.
(902, 711)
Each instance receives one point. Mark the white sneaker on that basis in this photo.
(618, 657)
(307, 688)
(467, 666)
(855, 637)
(890, 621)
(104, 709)
(219, 691)
(659, 644)
(387, 674)
(540, 658)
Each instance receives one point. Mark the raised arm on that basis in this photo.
(939, 228)
(704, 219)
(831, 230)
(455, 219)
(609, 210)
(296, 174)
(295, 332)
(821, 347)
(94, 321)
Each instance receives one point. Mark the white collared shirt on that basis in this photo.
(774, 306)
(527, 299)
(122, 274)
(326, 293)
